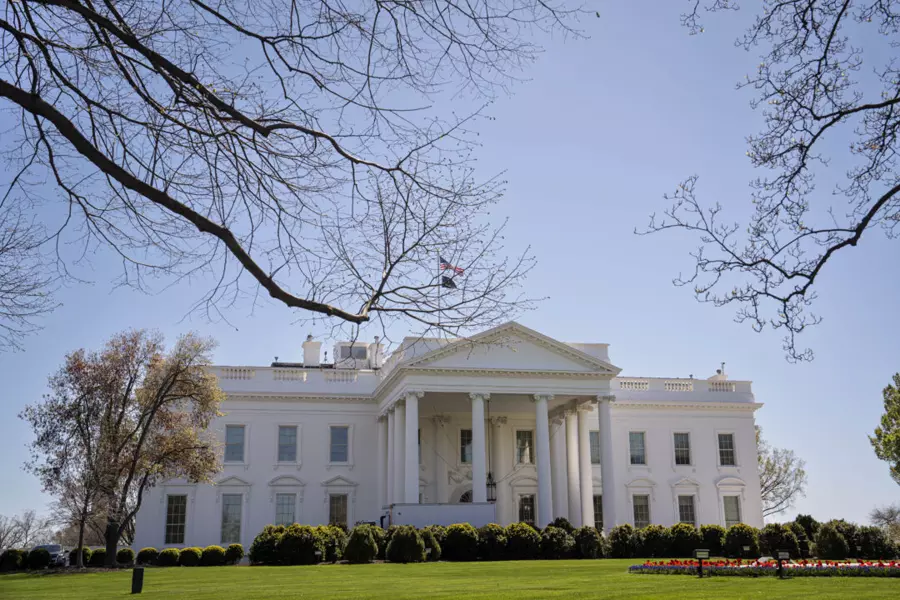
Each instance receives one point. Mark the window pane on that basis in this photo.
(525, 447)
(598, 512)
(526, 508)
(465, 446)
(726, 450)
(595, 447)
(359, 352)
(641, 511)
(287, 444)
(686, 512)
(345, 351)
(234, 443)
(340, 446)
(732, 510)
(337, 509)
(682, 449)
(284, 509)
(638, 450)
(176, 516)
(231, 518)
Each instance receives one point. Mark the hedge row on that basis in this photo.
(14, 560)
(211, 556)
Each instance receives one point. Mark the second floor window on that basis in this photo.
(340, 444)
(465, 446)
(637, 448)
(358, 352)
(525, 447)
(726, 450)
(682, 449)
(287, 443)
(234, 443)
(594, 437)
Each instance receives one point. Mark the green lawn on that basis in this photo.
(520, 580)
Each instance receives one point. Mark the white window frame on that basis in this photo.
(737, 457)
(299, 460)
(459, 458)
(187, 502)
(341, 485)
(177, 488)
(241, 518)
(534, 498)
(596, 432)
(593, 503)
(678, 497)
(515, 441)
(282, 494)
(731, 486)
(646, 462)
(342, 345)
(740, 505)
(346, 496)
(649, 497)
(234, 463)
(287, 484)
(690, 448)
(349, 461)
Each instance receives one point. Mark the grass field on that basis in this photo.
(520, 580)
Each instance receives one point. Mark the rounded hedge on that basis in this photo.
(461, 542)
(588, 543)
(264, 549)
(361, 546)
(301, 545)
(621, 541)
(98, 558)
(564, 524)
(380, 536)
(556, 543)
(775, 537)
(522, 541)
(875, 543)
(190, 557)
(712, 539)
(234, 554)
(85, 556)
(655, 541)
(830, 543)
(147, 556)
(439, 532)
(334, 537)
(213, 556)
(13, 560)
(168, 557)
(432, 544)
(406, 546)
(738, 536)
(125, 556)
(491, 542)
(38, 558)
(683, 540)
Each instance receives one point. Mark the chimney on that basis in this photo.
(311, 352)
(376, 354)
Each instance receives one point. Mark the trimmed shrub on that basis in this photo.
(12, 560)
(432, 544)
(774, 537)
(439, 532)
(125, 556)
(803, 542)
(563, 523)
(522, 541)
(406, 546)
(622, 541)
(190, 557)
(98, 557)
(738, 536)
(654, 541)
(830, 543)
(147, 556)
(388, 533)
(168, 557)
(491, 542)
(213, 556)
(850, 531)
(380, 536)
(875, 544)
(361, 547)
(588, 543)
(712, 539)
(264, 549)
(683, 540)
(810, 526)
(85, 556)
(335, 538)
(556, 543)
(233, 554)
(461, 542)
(38, 558)
(299, 545)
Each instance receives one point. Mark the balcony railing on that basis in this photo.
(653, 384)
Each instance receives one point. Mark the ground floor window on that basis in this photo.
(686, 512)
(284, 509)
(732, 510)
(641, 511)
(337, 509)
(598, 512)
(526, 508)
(176, 516)
(231, 518)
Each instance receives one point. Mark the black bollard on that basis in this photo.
(137, 580)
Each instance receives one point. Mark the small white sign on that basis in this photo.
(782, 555)
(701, 553)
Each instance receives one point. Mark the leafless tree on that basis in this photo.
(782, 476)
(10, 535)
(888, 518)
(820, 101)
(307, 147)
(33, 529)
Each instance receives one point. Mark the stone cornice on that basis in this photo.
(675, 405)
(294, 398)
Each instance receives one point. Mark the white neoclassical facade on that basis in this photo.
(509, 425)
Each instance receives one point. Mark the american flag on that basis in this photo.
(445, 266)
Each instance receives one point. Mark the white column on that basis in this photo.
(584, 468)
(497, 469)
(479, 469)
(411, 466)
(391, 429)
(382, 424)
(572, 475)
(558, 468)
(440, 458)
(607, 474)
(399, 460)
(542, 443)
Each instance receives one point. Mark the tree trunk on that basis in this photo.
(112, 541)
(79, 555)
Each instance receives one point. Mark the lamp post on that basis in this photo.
(491, 488)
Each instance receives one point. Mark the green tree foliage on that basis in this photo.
(830, 543)
(621, 541)
(713, 539)
(737, 537)
(556, 543)
(775, 537)
(809, 525)
(588, 542)
(886, 439)
(782, 476)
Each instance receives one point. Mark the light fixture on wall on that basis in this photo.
(491, 488)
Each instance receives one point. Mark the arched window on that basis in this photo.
(466, 497)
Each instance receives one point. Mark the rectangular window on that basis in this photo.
(284, 509)
(231, 518)
(598, 512)
(524, 447)
(594, 437)
(686, 513)
(638, 449)
(732, 510)
(176, 516)
(358, 352)
(465, 446)
(526, 508)
(682, 448)
(287, 443)
(337, 509)
(641, 511)
(726, 450)
(234, 443)
(340, 444)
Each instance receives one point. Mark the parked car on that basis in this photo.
(58, 558)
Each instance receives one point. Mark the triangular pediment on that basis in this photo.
(513, 347)
(232, 481)
(339, 481)
(284, 480)
(686, 482)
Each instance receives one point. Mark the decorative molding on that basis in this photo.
(483, 395)
(440, 419)
(547, 397)
(339, 485)
(499, 421)
(232, 485)
(681, 405)
(296, 398)
(286, 484)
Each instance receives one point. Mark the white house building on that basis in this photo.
(509, 425)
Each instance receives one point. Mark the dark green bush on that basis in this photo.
(850, 533)
(810, 526)
(85, 556)
(125, 556)
(361, 547)
(264, 549)
(712, 539)
(234, 553)
(168, 557)
(803, 542)
(491, 542)
(98, 557)
(875, 544)
(622, 541)
(564, 524)
(213, 556)
(388, 533)
(654, 541)
(461, 542)
(406, 546)
(683, 540)
(147, 556)
(588, 542)
(556, 543)
(190, 557)
(13, 560)
(380, 536)
(38, 558)
(522, 541)
(738, 536)
(335, 538)
(432, 546)
(439, 532)
(301, 545)
(774, 537)
(830, 543)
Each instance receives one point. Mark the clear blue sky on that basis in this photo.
(603, 128)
